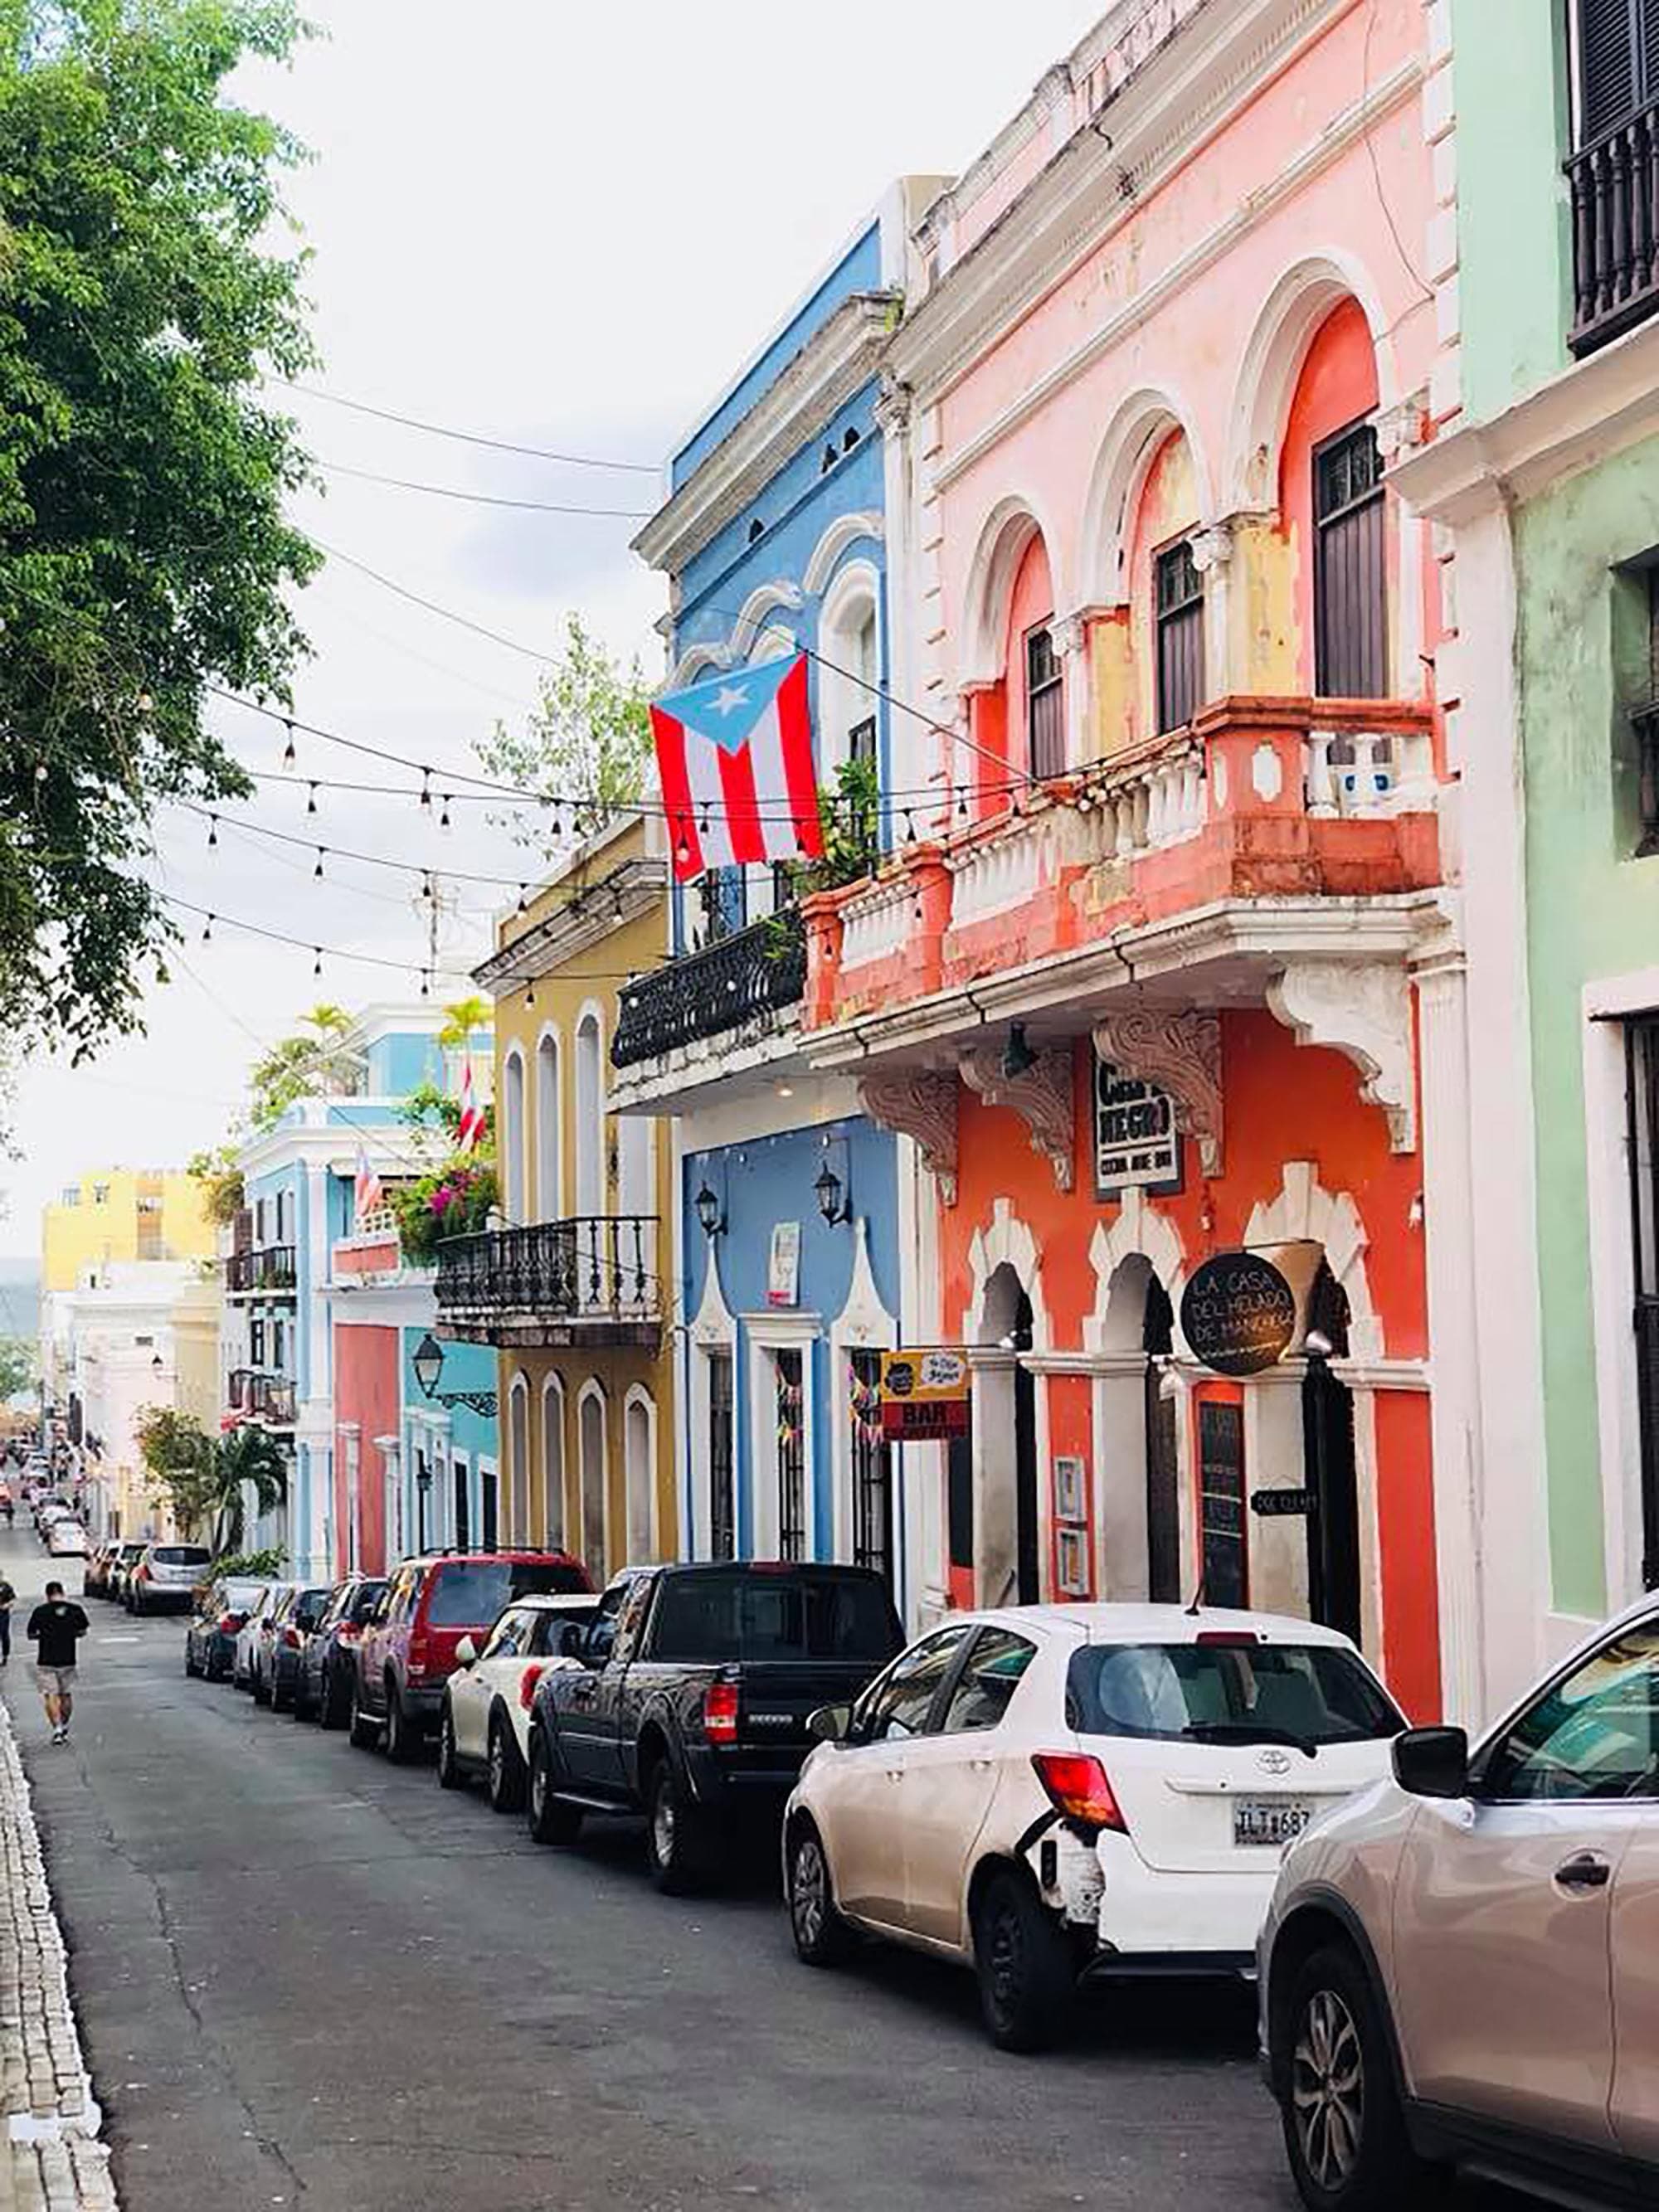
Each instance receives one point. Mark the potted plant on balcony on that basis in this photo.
(850, 818)
(452, 1201)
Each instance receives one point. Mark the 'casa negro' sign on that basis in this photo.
(1238, 1314)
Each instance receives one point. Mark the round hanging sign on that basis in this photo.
(1238, 1314)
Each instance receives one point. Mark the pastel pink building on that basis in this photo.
(1165, 964)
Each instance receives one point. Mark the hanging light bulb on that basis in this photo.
(426, 787)
(426, 888)
(318, 870)
(425, 986)
(213, 829)
(317, 965)
(207, 930)
(443, 819)
(523, 894)
(146, 704)
(558, 825)
(290, 755)
(682, 847)
(530, 998)
(40, 771)
(910, 827)
(311, 801)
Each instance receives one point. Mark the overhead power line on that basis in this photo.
(483, 498)
(470, 437)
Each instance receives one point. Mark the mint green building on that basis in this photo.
(1542, 465)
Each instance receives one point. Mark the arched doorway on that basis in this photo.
(1331, 1472)
(517, 1468)
(1163, 1472)
(553, 1462)
(639, 1467)
(591, 1450)
(1006, 1400)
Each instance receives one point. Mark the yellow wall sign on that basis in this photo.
(924, 1394)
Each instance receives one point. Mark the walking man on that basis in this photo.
(8, 1599)
(56, 1626)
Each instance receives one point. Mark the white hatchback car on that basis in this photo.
(483, 1727)
(1056, 1792)
(67, 1540)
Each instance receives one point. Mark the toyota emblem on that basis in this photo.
(1274, 1761)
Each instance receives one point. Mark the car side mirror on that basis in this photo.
(1432, 1762)
(829, 1724)
(466, 1652)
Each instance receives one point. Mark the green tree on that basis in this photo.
(205, 1480)
(17, 1369)
(463, 1019)
(588, 745)
(215, 1168)
(316, 1059)
(248, 1460)
(143, 552)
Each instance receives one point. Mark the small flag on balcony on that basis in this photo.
(368, 1192)
(735, 756)
(470, 1130)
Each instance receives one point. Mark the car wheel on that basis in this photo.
(505, 1768)
(550, 1821)
(822, 1937)
(1345, 2132)
(281, 1696)
(673, 1833)
(190, 1667)
(261, 1688)
(1026, 1978)
(402, 1743)
(365, 1728)
(450, 1775)
(334, 1706)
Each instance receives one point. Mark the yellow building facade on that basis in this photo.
(575, 1290)
(121, 1214)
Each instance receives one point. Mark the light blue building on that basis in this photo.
(773, 537)
(299, 1179)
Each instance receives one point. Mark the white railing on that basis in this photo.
(1359, 772)
(1159, 803)
(1012, 863)
(877, 923)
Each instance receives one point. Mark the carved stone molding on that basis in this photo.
(893, 403)
(1212, 547)
(920, 1103)
(1179, 1054)
(1361, 1009)
(1042, 1095)
(1070, 634)
(1403, 426)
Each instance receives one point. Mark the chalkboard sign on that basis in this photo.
(1221, 1502)
(1238, 1314)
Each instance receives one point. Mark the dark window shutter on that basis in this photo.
(1607, 60)
(1649, 49)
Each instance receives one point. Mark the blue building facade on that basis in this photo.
(774, 538)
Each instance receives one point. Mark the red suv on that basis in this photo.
(406, 1652)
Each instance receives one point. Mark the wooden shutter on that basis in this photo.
(1607, 62)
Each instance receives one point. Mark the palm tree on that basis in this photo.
(463, 1020)
(247, 1459)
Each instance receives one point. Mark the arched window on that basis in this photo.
(1166, 590)
(592, 1257)
(1332, 499)
(513, 1137)
(850, 673)
(640, 1473)
(549, 1147)
(1036, 690)
(519, 1470)
(591, 1455)
(553, 1462)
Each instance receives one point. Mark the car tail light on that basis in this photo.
(1227, 1639)
(719, 1712)
(141, 1574)
(420, 1651)
(528, 1682)
(291, 1638)
(348, 1632)
(229, 1623)
(1078, 1787)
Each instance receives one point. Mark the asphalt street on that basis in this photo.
(305, 1976)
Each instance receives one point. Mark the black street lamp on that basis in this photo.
(708, 1212)
(828, 1190)
(428, 1365)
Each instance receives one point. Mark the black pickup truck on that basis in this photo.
(687, 1699)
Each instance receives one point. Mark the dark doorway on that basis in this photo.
(1025, 1460)
(1163, 1481)
(723, 1497)
(1330, 1471)
(463, 1508)
(489, 1510)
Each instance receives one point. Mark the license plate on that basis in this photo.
(1258, 1820)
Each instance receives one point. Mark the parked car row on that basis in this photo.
(147, 1578)
(1453, 1947)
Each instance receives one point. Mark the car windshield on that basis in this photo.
(180, 1555)
(1227, 1694)
(472, 1593)
(769, 1614)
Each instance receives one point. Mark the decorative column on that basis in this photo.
(1070, 634)
(1212, 557)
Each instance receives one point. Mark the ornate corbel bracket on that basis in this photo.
(1179, 1054)
(920, 1103)
(1361, 1009)
(1042, 1095)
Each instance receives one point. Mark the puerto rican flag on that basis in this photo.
(735, 756)
(368, 1193)
(471, 1128)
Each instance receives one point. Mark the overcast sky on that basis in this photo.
(563, 224)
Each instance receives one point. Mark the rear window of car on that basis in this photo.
(792, 1615)
(237, 1597)
(180, 1555)
(367, 1597)
(1227, 1694)
(471, 1593)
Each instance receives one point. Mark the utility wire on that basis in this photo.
(485, 498)
(470, 437)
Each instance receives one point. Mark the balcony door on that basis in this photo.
(592, 1290)
(550, 1180)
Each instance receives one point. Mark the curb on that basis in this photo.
(52, 2159)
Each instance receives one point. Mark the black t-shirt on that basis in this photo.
(58, 1625)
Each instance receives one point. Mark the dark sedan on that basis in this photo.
(322, 1686)
(293, 1624)
(215, 1622)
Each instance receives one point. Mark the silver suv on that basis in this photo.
(1458, 1967)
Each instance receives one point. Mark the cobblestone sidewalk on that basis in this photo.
(51, 2159)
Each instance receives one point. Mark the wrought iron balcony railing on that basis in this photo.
(267, 1398)
(1615, 230)
(593, 1269)
(738, 979)
(271, 1268)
